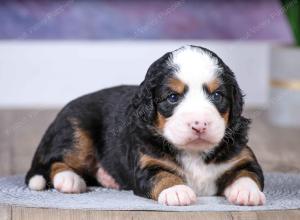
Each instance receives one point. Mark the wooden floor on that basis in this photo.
(19, 213)
(277, 149)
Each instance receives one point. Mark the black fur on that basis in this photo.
(121, 124)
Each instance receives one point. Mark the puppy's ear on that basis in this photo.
(237, 97)
(237, 100)
(143, 101)
(238, 124)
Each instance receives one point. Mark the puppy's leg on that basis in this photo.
(243, 184)
(77, 162)
(169, 189)
(65, 155)
(160, 179)
(66, 180)
(105, 179)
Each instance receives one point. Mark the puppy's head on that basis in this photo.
(190, 97)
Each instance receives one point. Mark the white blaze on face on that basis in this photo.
(195, 68)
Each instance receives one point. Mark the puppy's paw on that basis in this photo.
(179, 195)
(37, 182)
(69, 182)
(244, 191)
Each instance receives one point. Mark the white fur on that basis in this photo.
(202, 177)
(195, 68)
(178, 195)
(69, 182)
(244, 191)
(37, 182)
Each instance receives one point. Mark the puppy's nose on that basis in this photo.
(198, 126)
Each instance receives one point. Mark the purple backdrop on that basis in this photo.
(88, 19)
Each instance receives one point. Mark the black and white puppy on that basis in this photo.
(178, 135)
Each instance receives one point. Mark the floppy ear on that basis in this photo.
(143, 100)
(236, 96)
(239, 125)
(237, 100)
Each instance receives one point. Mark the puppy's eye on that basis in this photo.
(217, 97)
(173, 98)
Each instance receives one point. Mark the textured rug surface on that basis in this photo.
(282, 191)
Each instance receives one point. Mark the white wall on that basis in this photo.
(51, 73)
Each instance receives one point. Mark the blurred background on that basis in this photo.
(54, 51)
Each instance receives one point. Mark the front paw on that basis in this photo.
(244, 191)
(178, 195)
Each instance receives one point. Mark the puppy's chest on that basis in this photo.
(202, 177)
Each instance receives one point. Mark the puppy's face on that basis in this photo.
(192, 98)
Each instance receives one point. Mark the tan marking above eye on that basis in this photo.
(176, 85)
(213, 85)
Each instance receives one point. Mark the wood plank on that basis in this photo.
(244, 215)
(5, 212)
(20, 213)
(278, 215)
(143, 215)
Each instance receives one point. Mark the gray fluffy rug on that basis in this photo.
(282, 191)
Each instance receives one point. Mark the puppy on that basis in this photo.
(178, 135)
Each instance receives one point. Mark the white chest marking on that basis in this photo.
(202, 177)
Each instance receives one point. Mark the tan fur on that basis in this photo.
(165, 163)
(176, 85)
(81, 157)
(57, 168)
(164, 180)
(226, 117)
(245, 156)
(160, 122)
(213, 85)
